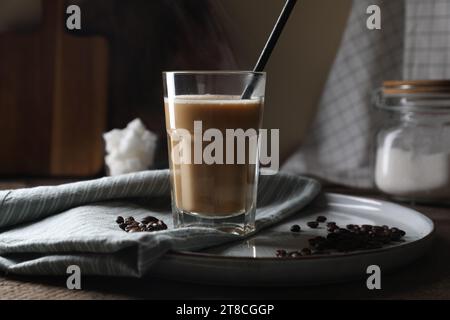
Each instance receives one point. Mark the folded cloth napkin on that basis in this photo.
(46, 229)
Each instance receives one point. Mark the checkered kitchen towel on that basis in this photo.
(414, 43)
(44, 230)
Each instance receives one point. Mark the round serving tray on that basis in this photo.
(253, 262)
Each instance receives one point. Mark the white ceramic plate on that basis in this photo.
(253, 262)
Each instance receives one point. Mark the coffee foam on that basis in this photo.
(212, 99)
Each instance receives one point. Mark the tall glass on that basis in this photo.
(213, 136)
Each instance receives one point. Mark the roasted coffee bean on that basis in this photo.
(281, 253)
(366, 237)
(296, 228)
(148, 224)
(333, 236)
(313, 224)
(306, 252)
(331, 224)
(378, 230)
(149, 219)
(134, 229)
(120, 220)
(319, 243)
(122, 226)
(332, 228)
(321, 219)
(395, 236)
(129, 220)
(364, 229)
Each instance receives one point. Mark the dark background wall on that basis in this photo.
(60, 90)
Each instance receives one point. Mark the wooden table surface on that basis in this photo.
(426, 278)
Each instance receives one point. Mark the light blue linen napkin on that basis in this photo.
(46, 229)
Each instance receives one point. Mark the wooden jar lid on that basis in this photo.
(416, 86)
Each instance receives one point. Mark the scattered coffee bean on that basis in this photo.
(341, 231)
(352, 238)
(122, 226)
(149, 219)
(134, 224)
(321, 219)
(332, 228)
(120, 220)
(134, 229)
(148, 224)
(296, 228)
(281, 253)
(378, 230)
(129, 220)
(313, 224)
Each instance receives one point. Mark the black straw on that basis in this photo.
(270, 45)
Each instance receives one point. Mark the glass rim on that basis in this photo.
(215, 72)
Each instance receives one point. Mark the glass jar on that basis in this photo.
(412, 157)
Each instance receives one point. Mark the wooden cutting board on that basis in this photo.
(53, 99)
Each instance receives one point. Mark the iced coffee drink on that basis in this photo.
(213, 148)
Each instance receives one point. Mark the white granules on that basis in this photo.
(411, 175)
(131, 149)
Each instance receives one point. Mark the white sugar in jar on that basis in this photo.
(412, 160)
